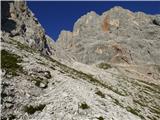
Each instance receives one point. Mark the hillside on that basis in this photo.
(88, 74)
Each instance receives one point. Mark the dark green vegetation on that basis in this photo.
(32, 109)
(104, 66)
(155, 109)
(10, 117)
(100, 94)
(39, 81)
(116, 101)
(9, 62)
(22, 46)
(128, 108)
(84, 106)
(47, 74)
(150, 86)
(100, 118)
(145, 89)
(75, 74)
(134, 111)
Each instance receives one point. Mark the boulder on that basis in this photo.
(156, 20)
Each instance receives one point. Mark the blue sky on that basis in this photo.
(55, 16)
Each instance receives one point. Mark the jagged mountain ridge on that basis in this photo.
(116, 36)
(38, 86)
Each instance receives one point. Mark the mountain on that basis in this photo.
(18, 22)
(116, 36)
(106, 69)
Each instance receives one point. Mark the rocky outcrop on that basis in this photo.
(19, 23)
(116, 36)
(156, 20)
(40, 87)
(20, 28)
(46, 87)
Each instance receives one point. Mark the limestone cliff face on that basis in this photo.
(37, 86)
(18, 22)
(116, 36)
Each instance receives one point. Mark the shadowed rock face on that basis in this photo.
(7, 24)
(19, 22)
(156, 20)
(39, 87)
(116, 36)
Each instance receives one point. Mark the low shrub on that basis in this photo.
(84, 106)
(104, 66)
(32, 109)
(100, 94)
(9, 62)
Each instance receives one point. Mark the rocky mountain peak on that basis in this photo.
(85, 23)
(93, 34)
(118, 9)
(107, 68)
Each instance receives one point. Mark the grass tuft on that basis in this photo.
(104, 66)
(100, 118)
(32, 109)
(134, 111)
(10, 62)
(39, 80)
(100, 94)
(84, 106)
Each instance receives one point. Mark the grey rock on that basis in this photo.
(20, 23)
(8, 105)
(3, 72)
(117, 36)
(42, 85)
(156, 20)
(58, 87)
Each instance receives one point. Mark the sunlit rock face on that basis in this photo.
(38, 85)
(94, 38)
